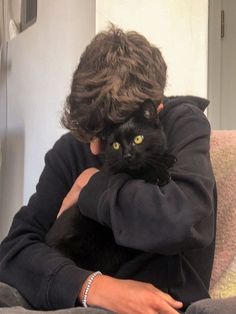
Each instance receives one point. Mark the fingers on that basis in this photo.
(85, 176)
(70, 199)
(164, 303)
(96, 146)
(168, 298)
(73, 195)
(160, 107)
(164, 307)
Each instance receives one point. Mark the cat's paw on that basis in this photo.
(169, 160)
(163, 181)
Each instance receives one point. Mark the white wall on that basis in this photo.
(41, 62)
(178, 27)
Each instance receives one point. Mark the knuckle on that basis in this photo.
(146, 294)
(147, 298)
(161, 305)
(150, 286)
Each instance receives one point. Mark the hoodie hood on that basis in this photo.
(173, 101)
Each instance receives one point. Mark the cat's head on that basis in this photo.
(137, 143)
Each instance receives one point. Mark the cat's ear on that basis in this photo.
(148, 112)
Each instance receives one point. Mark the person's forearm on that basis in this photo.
(144, 217)
(127, 296)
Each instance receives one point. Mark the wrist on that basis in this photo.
(97, 293)
(86, 288)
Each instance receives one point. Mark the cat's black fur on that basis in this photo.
(89, 244)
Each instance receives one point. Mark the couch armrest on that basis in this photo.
(210, 306)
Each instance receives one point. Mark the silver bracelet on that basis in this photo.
(86, 291)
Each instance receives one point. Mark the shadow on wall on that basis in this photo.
(11, 178)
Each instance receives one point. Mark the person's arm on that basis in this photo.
(130, 297)
(168, 219)
(137, 297)
(46, 278)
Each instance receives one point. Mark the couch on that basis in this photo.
(223, 281)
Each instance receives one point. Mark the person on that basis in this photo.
(173, 225)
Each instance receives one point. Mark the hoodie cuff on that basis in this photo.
(65, 285)
(89, 196)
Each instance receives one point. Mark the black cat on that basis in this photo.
(138, 147)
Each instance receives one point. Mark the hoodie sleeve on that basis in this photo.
(45, 278)
(169, 219)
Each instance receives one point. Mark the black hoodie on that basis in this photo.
(174, 225)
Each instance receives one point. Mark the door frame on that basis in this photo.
(214, 64)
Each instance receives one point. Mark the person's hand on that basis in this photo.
(129, 297)
(73, 195)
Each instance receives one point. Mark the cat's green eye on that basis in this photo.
(138, 139)
(116, 145)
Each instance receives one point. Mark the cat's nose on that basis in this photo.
(128, 156)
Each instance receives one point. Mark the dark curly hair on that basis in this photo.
(117, 71)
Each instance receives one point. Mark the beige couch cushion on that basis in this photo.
(223, 155)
